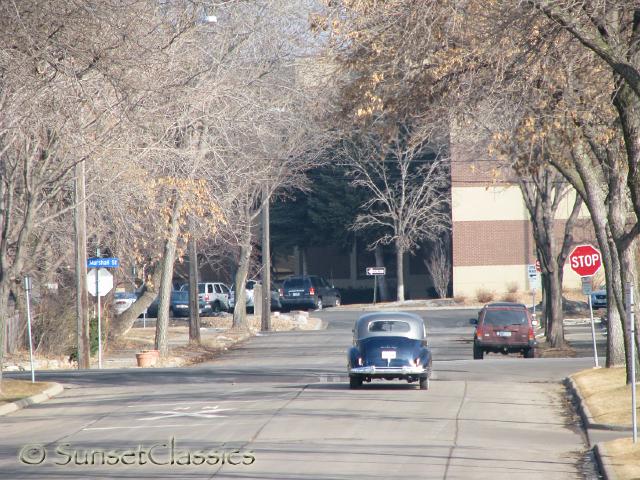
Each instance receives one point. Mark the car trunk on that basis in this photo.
(296, 288)
(389, 351)
(506, 334)
(505, 327)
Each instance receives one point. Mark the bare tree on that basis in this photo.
(408, 185)
(439, 266)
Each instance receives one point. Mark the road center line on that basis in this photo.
(190, 425)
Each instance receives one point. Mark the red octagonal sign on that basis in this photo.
(585, 260)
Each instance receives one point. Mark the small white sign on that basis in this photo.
(587, 285)
(376, 271)
(534, 277)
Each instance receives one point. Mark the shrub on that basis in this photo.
(462, 299)
(484, 296)
(512, 287)
(511, 297)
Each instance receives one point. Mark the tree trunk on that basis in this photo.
(194, 303)
(587, 182)
(82, 298)
(4, 314)
(544, 311)
(382, 280)
(240, 308)
(122, 323)
(303, 254)
(629, 274)
(166, 281)
(555, 328)
(400, 271)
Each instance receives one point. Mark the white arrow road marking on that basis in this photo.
(205, 412)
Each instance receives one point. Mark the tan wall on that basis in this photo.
(476, 204)
(497, 278)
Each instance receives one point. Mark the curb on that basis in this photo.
(604, 463)
(585, 414)
(50, 392)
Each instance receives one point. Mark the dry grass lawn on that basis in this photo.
(606, 393)
(624, 457)
(13, 390)
(609, 400)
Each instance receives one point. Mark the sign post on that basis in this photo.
(587, 289)
(534, 284)
(586, 260)
(374, 272)
(27, 289)
(630, 305)
(100, 282)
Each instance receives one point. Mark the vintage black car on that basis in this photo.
(389, 345)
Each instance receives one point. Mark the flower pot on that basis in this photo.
(147, 358)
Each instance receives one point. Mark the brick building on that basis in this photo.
(492, 234)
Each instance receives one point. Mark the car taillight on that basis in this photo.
(418, 362)
(359, 361)
(206, 298)
(312, 291)
(479, 332)
(281, 292)
(532, 334)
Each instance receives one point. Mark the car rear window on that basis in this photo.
(505, 317)
(296, 282)
(389, 326)
(181, 296)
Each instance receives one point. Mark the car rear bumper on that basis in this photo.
(384, 371)
(511, 347)
(298, 302)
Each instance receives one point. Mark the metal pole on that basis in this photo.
(533, 301)
(375, 288)
(99, 319)
(265, 314)
(194, 297)
(634, 419)
(593, 334)
(82, 298)
(27, 287)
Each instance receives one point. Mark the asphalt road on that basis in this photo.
(280, 408)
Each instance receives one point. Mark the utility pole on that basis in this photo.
(265, 323)
(82, 298)
(194, 304)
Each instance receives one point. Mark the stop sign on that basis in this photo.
(585, 260)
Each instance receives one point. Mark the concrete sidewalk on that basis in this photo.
(46, 394)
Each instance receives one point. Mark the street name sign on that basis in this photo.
(376, 271)
(585, 260)
(103, 262)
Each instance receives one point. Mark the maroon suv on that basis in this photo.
(504, 328)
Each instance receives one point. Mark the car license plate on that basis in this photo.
(182, 306)
(388, 354)
(504, 334)
(295, 294)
